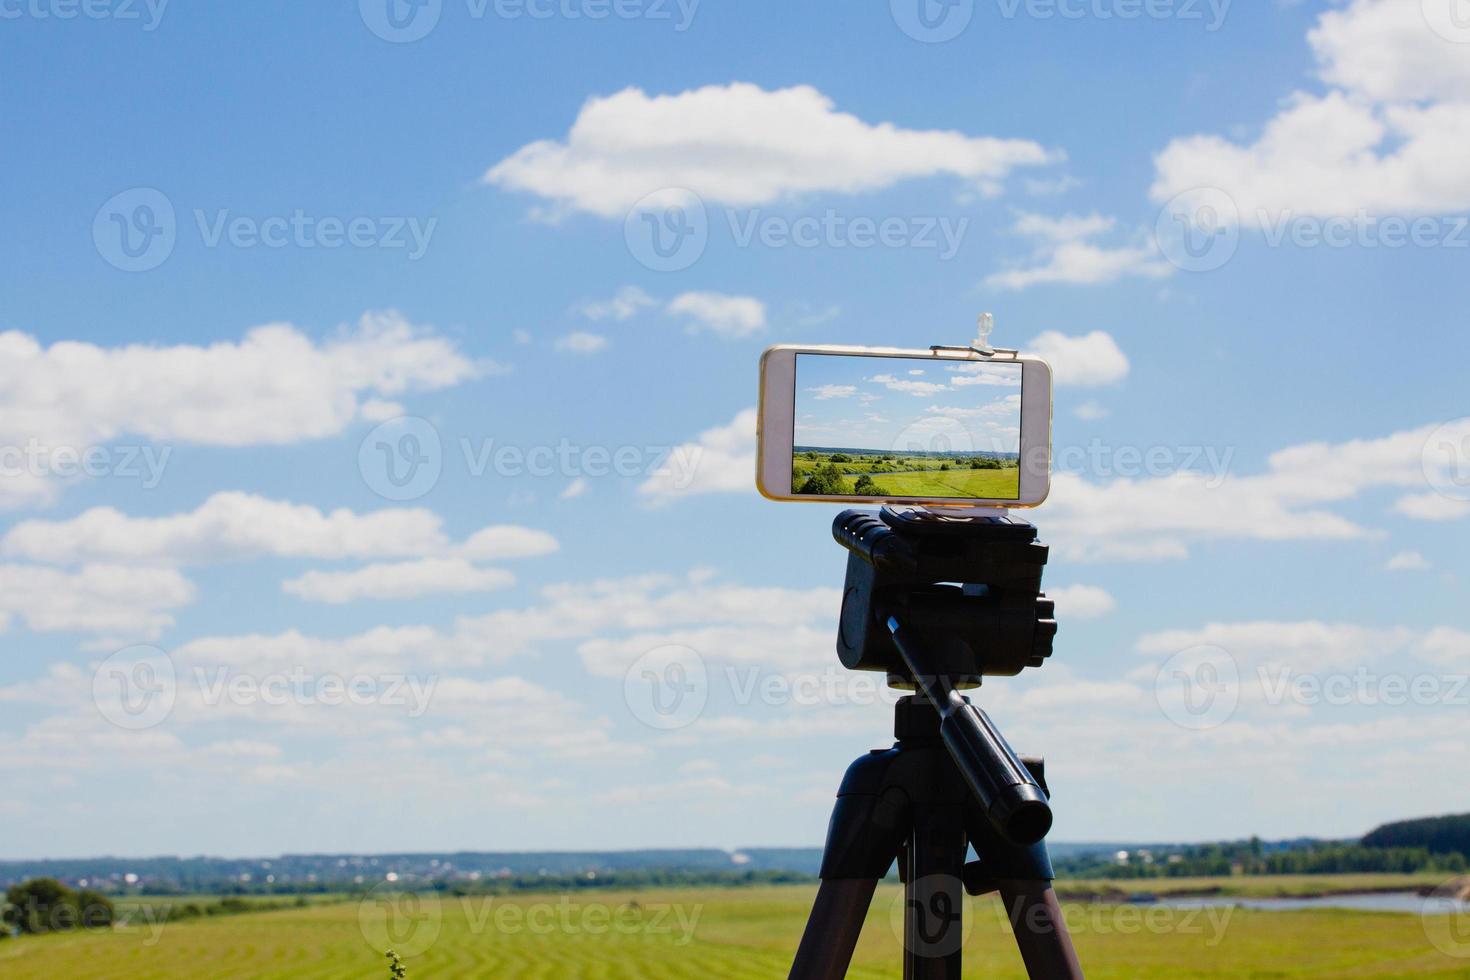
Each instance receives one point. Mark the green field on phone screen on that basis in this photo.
(837, 473)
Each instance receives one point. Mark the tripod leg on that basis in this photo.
(1041, 930)
(933, 929)
(833, 928)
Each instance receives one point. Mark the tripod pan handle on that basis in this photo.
(1014, 802)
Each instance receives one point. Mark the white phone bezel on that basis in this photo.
(775, 428)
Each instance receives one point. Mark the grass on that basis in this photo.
(710, 933)
(981, 484)
(915, 476)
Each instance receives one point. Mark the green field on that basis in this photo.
(981, 484)
(713, 933)
(912, 475)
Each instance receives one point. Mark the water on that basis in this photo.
(1377, 902)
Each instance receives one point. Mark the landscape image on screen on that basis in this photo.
(906, 427)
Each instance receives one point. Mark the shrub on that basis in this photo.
(826, 481)
(44, 905)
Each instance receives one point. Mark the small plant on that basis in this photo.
(396, 969)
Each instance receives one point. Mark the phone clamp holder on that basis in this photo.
(981, 345)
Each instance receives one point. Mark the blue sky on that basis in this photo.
(886, 404)
(419, 361)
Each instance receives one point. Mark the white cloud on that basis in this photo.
(1064, 253)
(1081, 361)
(788, 646)
(1308, 645)
(721, 460)
(1157, 517)
(581, 342)
(233, 526)
(575, 489)
(109, 599)
(829, 392)
(398, 580)
(505, 541)
(241, 748)
(616, 621)
(275, 386)
(741, 145)
(83, 739)
(1091, 411)
(468, 720)
(1391, 135)
(1382, 50)
(1005, 407)
(734, 317)
(984, 373)
(1431, 507)
(1042, 187)
(1063, 229)
(710, 792)
(379, 410)
(919, 389)
(1082, 602)
(1447, 646)
(1407, 561)
(623, 306)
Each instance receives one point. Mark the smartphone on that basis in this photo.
(860, 425)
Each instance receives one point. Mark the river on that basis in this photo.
(1372, 902)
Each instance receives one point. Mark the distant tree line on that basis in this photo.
(1254, 858)
(1439, 835)
(631, 880)
(232, 905)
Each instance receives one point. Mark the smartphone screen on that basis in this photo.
(895, 427)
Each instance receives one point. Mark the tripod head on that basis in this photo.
(938, 602)
(971, 584)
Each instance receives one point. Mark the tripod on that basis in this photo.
(938, 602)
